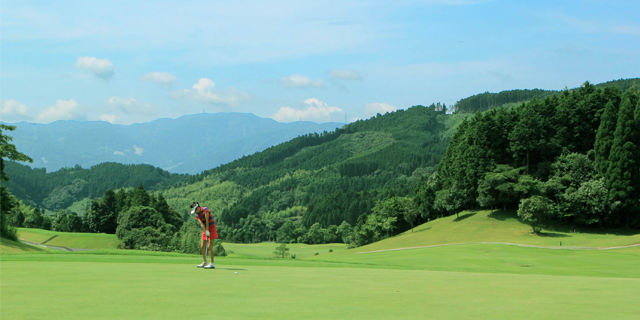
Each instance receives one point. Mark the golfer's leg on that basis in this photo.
(211, 249)
(203, 248)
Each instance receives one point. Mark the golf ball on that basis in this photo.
(236, 272)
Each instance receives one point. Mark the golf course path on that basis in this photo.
(53, 247)
(508, 244)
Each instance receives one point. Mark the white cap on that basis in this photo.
(194, 209)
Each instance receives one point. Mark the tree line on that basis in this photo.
(573, 158)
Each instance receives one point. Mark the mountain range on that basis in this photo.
(189, 144)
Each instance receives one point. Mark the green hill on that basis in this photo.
(498, 226)
(14, 247)
(70, 239)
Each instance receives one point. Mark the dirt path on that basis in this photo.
(508, 244)
(52, 247)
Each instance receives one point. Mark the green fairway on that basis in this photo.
(265, 250)
(467, 281)
(175, 289)
(70, 239)
(496, 226)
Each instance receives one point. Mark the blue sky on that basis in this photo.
(136, 61)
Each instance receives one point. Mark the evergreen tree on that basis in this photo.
(604, 138)
(623, 176)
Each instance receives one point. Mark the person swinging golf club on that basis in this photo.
(209, 232)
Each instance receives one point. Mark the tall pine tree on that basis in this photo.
(623, 178)
(604, 138)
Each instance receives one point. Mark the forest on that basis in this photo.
(571, 157)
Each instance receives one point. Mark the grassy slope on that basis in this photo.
(488, 226)
(14, 247)
(70, 239)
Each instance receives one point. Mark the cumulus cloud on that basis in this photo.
(63, 110)
(300, 81)
(344, 74)
(163, 79)
(314, 110)
(204, 91)
(371, 109)
(139, 150)
(12, 110)
(130, 106)
(110, 118)
(101, 68)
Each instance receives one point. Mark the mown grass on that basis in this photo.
(14, 247)
(112, 289)
(70, 239)
(266, 249)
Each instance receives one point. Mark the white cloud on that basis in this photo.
(371, 109)
(63, 110)
(12, 110)
(109, 118)
(204, 91)
(131, 106)
(163, 79)
(118, 152)
(315, 110)
(344, 74)
(139, 150)
(101, 68)
(300, 81)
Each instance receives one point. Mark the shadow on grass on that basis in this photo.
(503, 215)
(464, 216)
(553, 235)
(425, 229)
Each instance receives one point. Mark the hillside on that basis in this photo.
(171, 144)
(489, 100)
(499, 226)
(65, 187)
(326, 178)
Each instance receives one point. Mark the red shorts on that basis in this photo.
(212, 231)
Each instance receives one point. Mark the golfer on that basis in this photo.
(208, 232)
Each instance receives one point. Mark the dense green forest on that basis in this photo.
(304, 189)
(573, 158)
(58, 190)
(487, 100)
(569, 158)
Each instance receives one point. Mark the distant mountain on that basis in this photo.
(189, 144)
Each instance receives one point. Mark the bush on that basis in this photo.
(534, 211)
(6, 230)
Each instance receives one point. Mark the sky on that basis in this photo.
(136, 61)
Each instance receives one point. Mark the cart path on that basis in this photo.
(52, 247)
(508, 244)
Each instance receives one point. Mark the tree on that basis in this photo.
(315, 234)
(605, 136)
(281, 251)
(345, 231)
(285, 232)
(34, 219)
(409, 210)
(331, 234)
(534, 210)
(527, 134)
(7, 201)
(623, 176)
